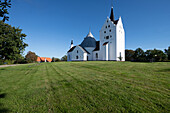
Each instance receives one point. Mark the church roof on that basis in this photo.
(89, 41)
(71, 49)
(83, 49)
(112, 18)
(115, 22)
(97, 46)
(90, 34)
(105, 43)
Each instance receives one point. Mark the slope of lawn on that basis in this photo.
(86, 87)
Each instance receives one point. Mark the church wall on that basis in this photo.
(77, 52)
(69, 56)
(90, 50)
(94, 55)
(85, 57)
(120, 37)
(111, 32)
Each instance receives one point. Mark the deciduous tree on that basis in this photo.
(155, 55)
(12, 42)
(55, 59)
(129, 55)
(139, 55)
(167, 51)
(4, 5)
(31, 57)
(64, 58)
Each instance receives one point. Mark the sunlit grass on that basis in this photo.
(86, 87)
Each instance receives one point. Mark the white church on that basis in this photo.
(111, 46)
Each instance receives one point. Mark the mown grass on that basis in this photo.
(86, 87)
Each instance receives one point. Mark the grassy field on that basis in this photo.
(86, 87)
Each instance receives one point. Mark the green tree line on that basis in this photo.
(140, 55)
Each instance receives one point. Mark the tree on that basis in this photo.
(31, 57)
(155, 55)
(64, 58)
(55, 59)
(4, 5)
(11, 42)
(129, 55)
(139, 55)
(167, 51)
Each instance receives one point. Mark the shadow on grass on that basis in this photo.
(164, 70)
(3, 110)
(2, 69)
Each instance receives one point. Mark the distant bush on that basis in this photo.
(55, 59)
(64, 58)
(21, 61)
(31, 57)
(9, 62)
(1, 62)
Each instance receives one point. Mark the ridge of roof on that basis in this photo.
(71, 49)
(84, 49)
(80, 48)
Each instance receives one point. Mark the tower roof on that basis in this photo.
(112, 18)
(90, 34)
(89, 41)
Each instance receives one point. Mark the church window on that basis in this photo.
(77, 51)
(107, 21)
(107, 37)
(77, 57)
(104, 31)
(108, 25)
(110, 30)
(110, 36)
(96, 55)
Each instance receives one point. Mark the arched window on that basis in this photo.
(96, 55)
(77, 51)
(77, 57)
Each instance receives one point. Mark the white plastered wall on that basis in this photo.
(80, 54)
(120, 40)
(111, 41)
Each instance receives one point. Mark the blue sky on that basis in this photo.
(50, 25)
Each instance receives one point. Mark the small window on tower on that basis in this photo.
(107, 37)
(110, 36)
(104, 31)
(107, 21)
(110, 30)
(108, 25)
(77, 51)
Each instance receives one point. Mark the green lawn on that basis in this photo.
(86, 87)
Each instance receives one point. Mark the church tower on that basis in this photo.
(112, 39)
